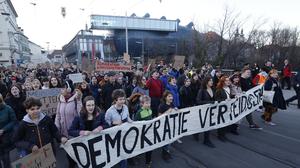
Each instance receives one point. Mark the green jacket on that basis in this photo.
(143, 115)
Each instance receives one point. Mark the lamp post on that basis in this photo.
(143, 48)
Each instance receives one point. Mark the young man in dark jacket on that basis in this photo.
(246, 84)
(36, 129)
(297, 90)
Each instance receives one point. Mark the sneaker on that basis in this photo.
(270, 123)
(209, 144)
(255, 127)
(179, 141)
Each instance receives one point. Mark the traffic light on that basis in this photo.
(63, 11)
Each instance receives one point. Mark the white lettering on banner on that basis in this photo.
(130, 139)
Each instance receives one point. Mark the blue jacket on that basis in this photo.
(174, 90)
(164, 80)
(78, 124)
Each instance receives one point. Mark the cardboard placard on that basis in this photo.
(44, 158)
(178, 61)
(76, 78)
(49, 99)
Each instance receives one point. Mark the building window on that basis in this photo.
(0, 54)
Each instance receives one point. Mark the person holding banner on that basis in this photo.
(145, 114)
(36, 129)
(272, 84)
(90, 120)
(118, 113)
(246, 84)
(7, 122)
(206, 95)
(222, 94)
(166, 106)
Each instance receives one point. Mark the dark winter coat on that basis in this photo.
(186, 100)
(95, 92)
(107, 90)
(17, 105)
(78, 124)
(203, 97)
(7, 122)
(28, 134)
(278, 101)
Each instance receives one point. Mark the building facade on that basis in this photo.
(37, 54)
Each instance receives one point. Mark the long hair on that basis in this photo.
(58, 83)
(221, 82)
(17, 85)
(84, 112)
(165, 95)
(205, 82)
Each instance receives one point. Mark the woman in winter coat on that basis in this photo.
(272, 84)
(222, 94)
(7, 122)
(15, 99)
(68, 107)
(90, 120)
(206, 95)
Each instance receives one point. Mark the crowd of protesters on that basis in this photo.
(109, 99)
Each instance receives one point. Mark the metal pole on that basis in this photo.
(126, 34)
(143, 46)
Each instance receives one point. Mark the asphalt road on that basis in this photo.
(273, 147)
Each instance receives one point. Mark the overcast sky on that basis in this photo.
(44, 23)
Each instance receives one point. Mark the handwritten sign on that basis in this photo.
(49, 99)
(44, 158)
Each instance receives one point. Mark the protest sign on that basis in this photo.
(105, 66)
(178, 61)
(49, 99)
(44, 158)
(130, 139)
(76, 78)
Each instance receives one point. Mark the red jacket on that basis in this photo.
(287, 71)
(155, 87)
